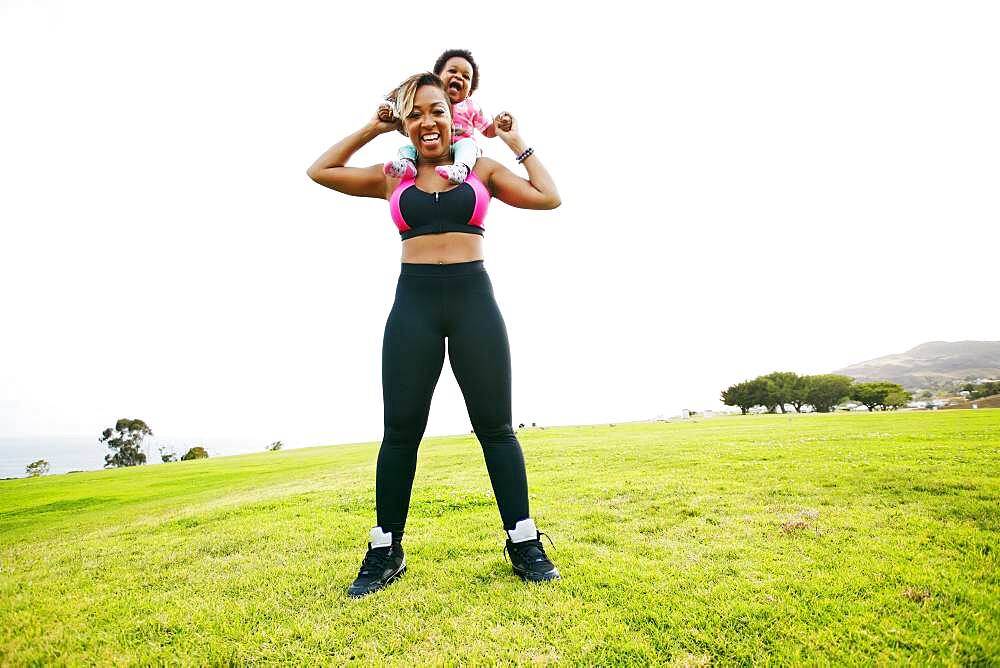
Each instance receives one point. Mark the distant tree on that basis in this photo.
(896, 399)
(274, 447)
(825, 391)
(984, 390)
(166, 456)
(125, 442)
(736, 395)
(746, 395)
(869, 394)
(38, 468)
(799, 393)
(873, 395)
(197, 452)
(782, 387)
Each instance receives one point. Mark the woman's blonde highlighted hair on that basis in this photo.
(402, 95)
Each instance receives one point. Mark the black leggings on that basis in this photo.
(435, 302)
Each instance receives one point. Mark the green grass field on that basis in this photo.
(817, 539)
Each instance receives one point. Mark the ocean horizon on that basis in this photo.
(67, 453)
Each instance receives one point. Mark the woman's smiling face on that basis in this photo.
(428, 125)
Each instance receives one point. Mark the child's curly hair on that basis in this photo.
(459, 53)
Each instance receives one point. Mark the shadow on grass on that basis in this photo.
(69, 505)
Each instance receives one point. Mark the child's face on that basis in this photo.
(457, 77)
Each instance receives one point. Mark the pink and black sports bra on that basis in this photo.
(461, 209)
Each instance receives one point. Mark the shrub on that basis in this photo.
(197, 452)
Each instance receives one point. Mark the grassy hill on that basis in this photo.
(860, 538)
(938, 364)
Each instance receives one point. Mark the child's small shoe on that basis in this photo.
(454, 173)
(400, 168)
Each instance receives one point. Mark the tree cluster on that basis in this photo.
(880, 395)
(125, 442)
(982, 390)
(197, 452)
(823, 392)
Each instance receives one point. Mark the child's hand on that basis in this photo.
(385, 113)
(503, 122)
(505, 126)
(385, 118)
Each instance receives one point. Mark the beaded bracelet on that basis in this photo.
(524, 156)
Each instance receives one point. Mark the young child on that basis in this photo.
(460, 74)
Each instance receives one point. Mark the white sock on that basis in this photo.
(523, 530)
(380, 538)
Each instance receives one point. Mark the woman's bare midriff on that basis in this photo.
(447, 248)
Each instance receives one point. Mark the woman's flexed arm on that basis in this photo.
(538, 191)
(330, 169)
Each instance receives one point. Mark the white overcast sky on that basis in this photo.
(747, 187)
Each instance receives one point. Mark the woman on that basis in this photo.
(443, 292)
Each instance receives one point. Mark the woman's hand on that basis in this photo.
(511, 135)
(385, 119)
(331, 169)
(503, 121)
(504, 125)
(538, 191)
(385, 112)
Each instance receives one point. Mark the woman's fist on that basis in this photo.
(503, 121)
(386, 114)
(385, 118)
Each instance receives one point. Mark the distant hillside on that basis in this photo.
(937, 364)
(985, 402)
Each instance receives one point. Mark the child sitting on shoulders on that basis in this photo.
(460, 74)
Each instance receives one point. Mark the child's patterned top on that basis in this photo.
(466, 116)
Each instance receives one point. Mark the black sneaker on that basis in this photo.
(380, 567)
(528, 556)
